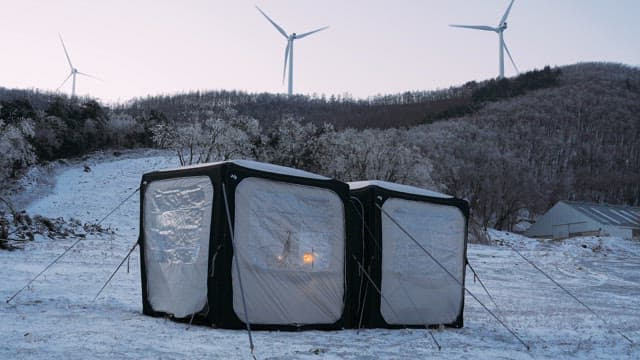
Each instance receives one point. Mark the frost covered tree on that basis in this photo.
(374, 154)
(291, 143)
(123, 130)
(469, 162)
(16, 134)
(222, 136)
(16, 151)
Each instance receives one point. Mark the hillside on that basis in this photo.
(405, 109)
(512, 147)
(381, 111)
(577, 140)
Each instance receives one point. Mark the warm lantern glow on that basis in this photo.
(308, 258)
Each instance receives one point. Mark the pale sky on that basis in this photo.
(142, 47)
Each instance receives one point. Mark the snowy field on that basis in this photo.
(56, 317)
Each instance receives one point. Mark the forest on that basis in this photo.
(511, 147)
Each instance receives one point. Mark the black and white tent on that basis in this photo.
(399, 227)
(237, 242)
(283, 266)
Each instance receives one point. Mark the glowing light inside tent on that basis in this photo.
(308, 258)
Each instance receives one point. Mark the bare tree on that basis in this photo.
(222, 136)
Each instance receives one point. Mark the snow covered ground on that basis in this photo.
(56, 317)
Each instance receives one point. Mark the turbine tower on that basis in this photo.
(73, 73)
(288, 52)
(502, 26)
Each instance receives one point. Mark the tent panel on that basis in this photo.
(289, 243)
(177, 224)
(415, 289)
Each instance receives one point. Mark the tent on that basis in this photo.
(283, 266)
(407, 288)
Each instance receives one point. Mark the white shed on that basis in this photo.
(572, 218)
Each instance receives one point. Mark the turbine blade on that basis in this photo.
(509, 53)
(286, 58)
(281, 30)
(65, 80)
(65, 51)
(476, 27)
(88, 75)
(310, 32)
(506, 14)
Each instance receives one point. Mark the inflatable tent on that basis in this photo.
(238, 241)
(409, 288)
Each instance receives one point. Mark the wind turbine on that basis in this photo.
(74, 71)
(288, 52)
(502, 26)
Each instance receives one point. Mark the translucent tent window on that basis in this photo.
(417, 290)
(177, 225)
(290, 247)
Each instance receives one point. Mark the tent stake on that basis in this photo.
(434, 339)
(190, 321)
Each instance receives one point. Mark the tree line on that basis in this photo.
(511, 147)
(405, 109)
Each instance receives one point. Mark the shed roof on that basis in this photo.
(616, 215)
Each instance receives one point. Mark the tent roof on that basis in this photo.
(407, 189)
(617, 215)
(260, 166)
(277, 169)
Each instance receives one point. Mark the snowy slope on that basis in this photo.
(56, 318)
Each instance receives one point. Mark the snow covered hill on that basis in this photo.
(56, 317)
